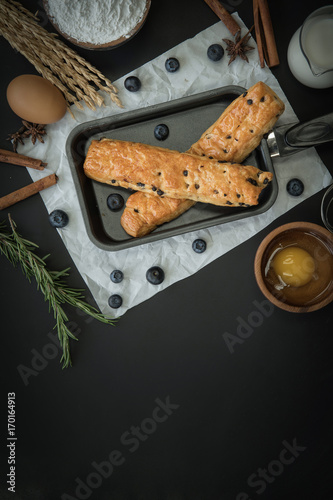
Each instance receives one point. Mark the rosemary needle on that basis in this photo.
(51, 283)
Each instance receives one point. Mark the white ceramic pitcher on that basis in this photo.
(310, 51)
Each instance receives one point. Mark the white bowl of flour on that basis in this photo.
(97, 24)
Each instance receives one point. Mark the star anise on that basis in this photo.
(17, 137)
(238, 47)
(35, 130)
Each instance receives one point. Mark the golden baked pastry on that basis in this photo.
(236, 133)
(241, 127)
(143, 212)
(168, 173)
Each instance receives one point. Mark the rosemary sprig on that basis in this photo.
(56, 292)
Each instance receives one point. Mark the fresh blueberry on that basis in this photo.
(161, 132)
(215, 52)
(132, 83)
(172, 64)
(115, 301)
(116, 276)
(199, 245)
(295, 187)
(155, 275)
(115, 201)
(58, 218)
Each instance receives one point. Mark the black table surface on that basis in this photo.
(159, 407)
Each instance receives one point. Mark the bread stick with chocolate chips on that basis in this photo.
(168, 173)
(236, 133)
(240, 128)
(144, 211)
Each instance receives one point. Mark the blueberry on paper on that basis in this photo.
(199, 245)
(155, 275)
(172, 64)
(132, 83)
(115, 202)
(58, 218)
(215, 52)
(295, 187)
(161, 132)
(117, 276)
(115, 301)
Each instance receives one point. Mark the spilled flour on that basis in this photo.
(98, 21)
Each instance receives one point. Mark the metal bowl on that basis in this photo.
(327, 209)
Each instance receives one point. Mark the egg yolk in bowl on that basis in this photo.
(294, 266)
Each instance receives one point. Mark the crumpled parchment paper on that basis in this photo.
(175, 254)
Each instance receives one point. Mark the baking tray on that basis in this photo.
(187, 118)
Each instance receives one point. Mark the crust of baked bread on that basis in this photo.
(144, 212)
(168, 173)
(241, 127)
(236, 121)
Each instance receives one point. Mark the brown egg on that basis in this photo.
(35, 99)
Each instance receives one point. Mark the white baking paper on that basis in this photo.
(174, 255)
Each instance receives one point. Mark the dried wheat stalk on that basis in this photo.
(76, 78)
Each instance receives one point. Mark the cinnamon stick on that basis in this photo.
(259, 34)
(21, 160)
(27, 191)
(268, 40)
(224, 15)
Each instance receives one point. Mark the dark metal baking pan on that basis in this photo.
(187, 118)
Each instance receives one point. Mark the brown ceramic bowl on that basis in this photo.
(112, 44)
(318, 242)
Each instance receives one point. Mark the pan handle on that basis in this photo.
(311, 133)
